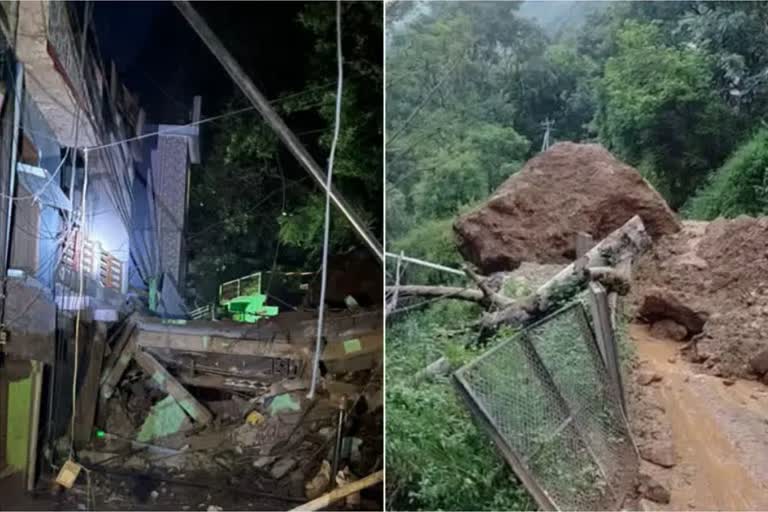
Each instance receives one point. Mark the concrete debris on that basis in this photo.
(285, 403)
(263, 462)
(165, 418)
(258, 435)
(214, 508)
(282, 467)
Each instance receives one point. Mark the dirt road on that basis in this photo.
(719, 428)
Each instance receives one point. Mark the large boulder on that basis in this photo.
(535, 214)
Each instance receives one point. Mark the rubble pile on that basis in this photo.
(224, 405)
(274, 439)
(535, 214)
(708, 284)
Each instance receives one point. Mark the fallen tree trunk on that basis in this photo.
(451, 292)
(598, 264)
(624, 244)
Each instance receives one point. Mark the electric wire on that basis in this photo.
(327, 221)
(81, 240)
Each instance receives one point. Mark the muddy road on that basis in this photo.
(719, 429)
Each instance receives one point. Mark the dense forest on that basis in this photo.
(679, 90)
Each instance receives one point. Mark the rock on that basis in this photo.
(672, 360)
(661, 453)
(282, 467)
(759, 362)
(645, 378)
(651, 489)
(660, 304)
(647, 506)
(214, 508)
(263, 462)
(668, 329)
(154, 495)
(570, 188)
(728, 382)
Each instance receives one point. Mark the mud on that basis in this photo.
(719, 432)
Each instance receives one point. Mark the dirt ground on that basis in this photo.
(716, 428)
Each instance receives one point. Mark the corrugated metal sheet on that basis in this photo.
(39, 183)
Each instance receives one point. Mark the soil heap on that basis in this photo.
(718, 272)
(535, 214)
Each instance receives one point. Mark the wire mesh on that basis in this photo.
(546, 395)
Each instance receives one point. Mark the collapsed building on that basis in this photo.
(102, 364)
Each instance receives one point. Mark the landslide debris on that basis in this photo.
(535, 214)
(712, 278)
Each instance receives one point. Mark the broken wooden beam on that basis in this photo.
(173, 387)
(448, 292)
(112, 378)
(122, 335)
(337, 494)
(89, 391)
(188, 342)
(289, 327)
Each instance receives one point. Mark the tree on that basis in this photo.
(251, 205)
(739, 187)
(658, 110)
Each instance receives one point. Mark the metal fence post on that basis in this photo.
(606, 337)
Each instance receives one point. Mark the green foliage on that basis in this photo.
(450, 120)
(658, 107)
(432, 241)
(436, 458)
(739, 187)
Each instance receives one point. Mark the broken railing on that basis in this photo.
(550, 398)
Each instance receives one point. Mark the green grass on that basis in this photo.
(437, 459)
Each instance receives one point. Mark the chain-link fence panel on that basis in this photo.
(545, 399)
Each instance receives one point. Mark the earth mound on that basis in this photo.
(719, 271)
(535, 214)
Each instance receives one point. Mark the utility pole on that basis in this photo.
(547, 124)
(272, 118)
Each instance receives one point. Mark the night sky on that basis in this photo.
(160, 58)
